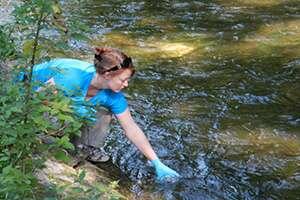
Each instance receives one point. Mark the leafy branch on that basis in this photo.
(32, 62)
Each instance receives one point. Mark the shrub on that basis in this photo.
(25, 115)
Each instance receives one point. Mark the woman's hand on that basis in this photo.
(162, 171)
(136, 135)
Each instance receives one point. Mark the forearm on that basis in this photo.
(138, 138)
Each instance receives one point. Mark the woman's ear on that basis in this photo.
(107, 75)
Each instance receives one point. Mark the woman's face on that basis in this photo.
(119, 81)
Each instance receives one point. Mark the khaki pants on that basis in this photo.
(95, 135)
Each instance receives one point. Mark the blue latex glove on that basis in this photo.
(162, 171)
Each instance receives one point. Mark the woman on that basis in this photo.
(95, 85)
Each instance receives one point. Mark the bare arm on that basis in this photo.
(136, 135)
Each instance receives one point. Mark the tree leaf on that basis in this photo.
(28, 47)
(65, 143)
(61, 155)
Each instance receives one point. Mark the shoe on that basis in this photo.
(94, 154)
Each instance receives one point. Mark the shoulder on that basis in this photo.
(65, 63)
(113, 96)
(116, 101)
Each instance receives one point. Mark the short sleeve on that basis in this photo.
(115, 102)
(118, 103)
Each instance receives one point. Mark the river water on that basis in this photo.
(216, 91)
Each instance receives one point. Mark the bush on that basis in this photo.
(21, 150)
(25, 115)
(7, 48)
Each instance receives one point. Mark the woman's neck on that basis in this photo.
(98, 82)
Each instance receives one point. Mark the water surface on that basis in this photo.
(216, 92)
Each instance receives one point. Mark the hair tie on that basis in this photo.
(98, 57)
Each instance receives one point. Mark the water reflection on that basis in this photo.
(217, 92)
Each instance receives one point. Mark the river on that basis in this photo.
(216, 92)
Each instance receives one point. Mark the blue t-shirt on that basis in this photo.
(73, 77)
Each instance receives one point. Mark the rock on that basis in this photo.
(64, 175)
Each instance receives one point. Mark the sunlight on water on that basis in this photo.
(151, 48)
(261, 141)
(171, 50)
(281, 35)
(279, 38)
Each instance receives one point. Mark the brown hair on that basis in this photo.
(110, 59)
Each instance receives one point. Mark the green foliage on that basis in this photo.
(81, 190)
(26, 116)
(56, 31)
(28, 12)
(6, 45)
(14, 184)
(21, 151)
